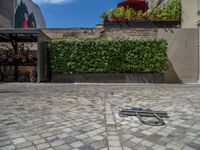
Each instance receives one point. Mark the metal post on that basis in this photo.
(15, 47)
(199, 56)
(38, 59)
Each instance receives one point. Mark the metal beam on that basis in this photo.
(14, 36)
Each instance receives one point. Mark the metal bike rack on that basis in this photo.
(141, 113)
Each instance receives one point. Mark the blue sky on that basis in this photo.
(74, 13)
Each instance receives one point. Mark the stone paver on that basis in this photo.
(85, 116)
(18, 141)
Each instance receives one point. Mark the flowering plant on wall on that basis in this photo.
(171, 10)
(23, 56)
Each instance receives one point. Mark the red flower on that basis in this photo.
(23, 60)
(10, 59)
(30, 56)
(17, 56)
(4, 56)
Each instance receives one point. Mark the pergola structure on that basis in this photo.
(17, 36)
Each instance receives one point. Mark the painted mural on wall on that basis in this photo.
(22, 17)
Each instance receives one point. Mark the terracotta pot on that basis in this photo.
(122, 19)
(119, 19)
(139, 18)
(152, 18)
(113, 19)
(175, 18)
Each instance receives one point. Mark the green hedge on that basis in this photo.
(105, 56)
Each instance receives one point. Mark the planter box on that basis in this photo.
(109, 78)
(143, 24)
(118, 19)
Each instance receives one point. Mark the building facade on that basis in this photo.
(198, 23)
(20, 14)
(190, 13)
(6, 13)
(198, 12)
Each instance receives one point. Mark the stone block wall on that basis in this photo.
(182, 52)
(93, 33)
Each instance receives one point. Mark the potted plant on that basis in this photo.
(112, 13)
(104, 16)
(154, 12)
(117, 14)
(139, 16)
(173, 8)
(170, 11)
(121, 14)
(130, 13)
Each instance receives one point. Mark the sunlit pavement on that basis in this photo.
(85, 116)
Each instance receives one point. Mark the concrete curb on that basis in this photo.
(111, 130)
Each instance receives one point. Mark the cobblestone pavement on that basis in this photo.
(85, 117)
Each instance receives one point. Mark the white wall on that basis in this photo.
(198, 23)
(189, 13)
(183, 54)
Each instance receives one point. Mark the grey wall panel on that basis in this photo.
(183, 54)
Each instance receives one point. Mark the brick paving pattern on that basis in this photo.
(85, 117)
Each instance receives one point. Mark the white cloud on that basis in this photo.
(53, 1)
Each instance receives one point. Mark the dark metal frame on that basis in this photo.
(16, 36)
(141, 113)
